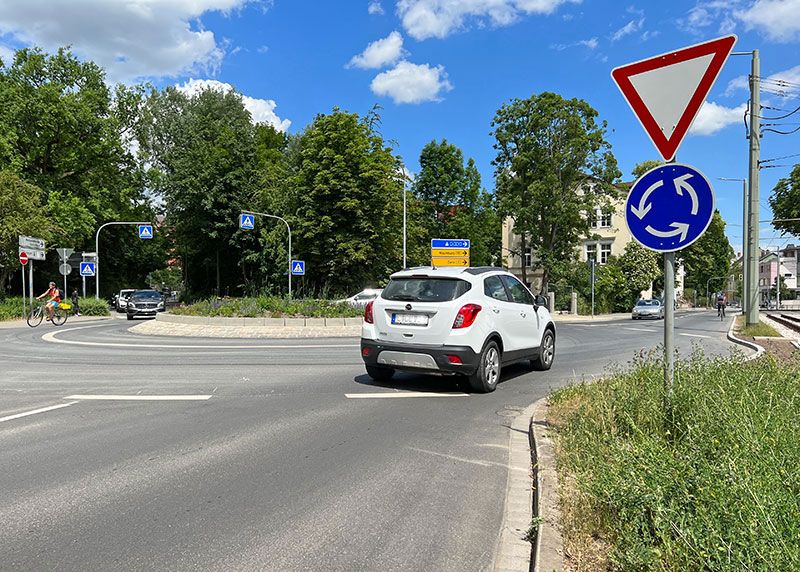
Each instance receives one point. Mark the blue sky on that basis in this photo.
(441, 68)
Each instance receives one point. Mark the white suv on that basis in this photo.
(467, 321)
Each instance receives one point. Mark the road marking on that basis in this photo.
(139, 397)
(35, 411)
(51, 337)
(639, 329)
(401, 394)
(693, 335)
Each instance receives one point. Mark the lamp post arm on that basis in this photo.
(97, 251)
(289, 230)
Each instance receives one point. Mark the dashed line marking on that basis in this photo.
(694, 335)
(401, 394)
(139, 397)
(36, 411)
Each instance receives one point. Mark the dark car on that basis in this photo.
(144, 303)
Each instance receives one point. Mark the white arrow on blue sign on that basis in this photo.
(87, 268)
(145, 231)
(669, 207)
(246, 222)
(449, 243)
(298, 267)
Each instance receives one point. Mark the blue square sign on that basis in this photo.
(87, 268)
(145, 231)
(246, 221)
(298, 267)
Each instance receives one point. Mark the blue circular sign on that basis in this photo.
(669, 207)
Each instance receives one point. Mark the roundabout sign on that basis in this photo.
(669, 207)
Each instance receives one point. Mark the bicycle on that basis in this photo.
(721, 312)
(60, 314)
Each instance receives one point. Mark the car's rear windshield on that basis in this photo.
(425, 289)
(147, 296)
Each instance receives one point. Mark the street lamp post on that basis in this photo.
(288, 228)
(97, 252)
(745, 266)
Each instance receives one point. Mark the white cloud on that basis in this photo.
(261, 110)
(7, 55)
(779, 20)
(784, 83)
(629, 28)
(380, 53)
(132, 39)
(591, 43)
(411, 83)
(375, 7)
(424, 19)
(714, 117)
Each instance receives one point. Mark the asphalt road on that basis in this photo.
(274, 463)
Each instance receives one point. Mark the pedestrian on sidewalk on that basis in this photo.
(75, 307)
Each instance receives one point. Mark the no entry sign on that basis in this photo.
(23, 258)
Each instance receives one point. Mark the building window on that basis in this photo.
(605, 252)
(528, 257)
(591, 251)
(601, 219)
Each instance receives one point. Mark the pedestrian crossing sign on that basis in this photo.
(246, 221)
(145, 231)
(298, 267)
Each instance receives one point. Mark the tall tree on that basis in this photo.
(347, 192)
(453, 202)
(709, 257)
(553, 165)
(785, 202)
(641, 168)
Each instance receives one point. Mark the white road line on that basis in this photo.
(693, 335)
(639, 329)
(51, 337)
(139, 397)
(401, 394)
(35, 411)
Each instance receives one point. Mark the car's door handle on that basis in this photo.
(522, 314)
(495, 309)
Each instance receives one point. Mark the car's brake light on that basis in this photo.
(466, 316)
(455, 360)
(368, 318)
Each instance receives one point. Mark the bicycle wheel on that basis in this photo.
(35, 316)
(59, 317)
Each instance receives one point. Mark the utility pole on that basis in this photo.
(754, 250)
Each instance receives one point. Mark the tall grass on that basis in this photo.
(266, 306)
(714, 486)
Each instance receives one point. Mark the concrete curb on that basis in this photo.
(513, 551)
(549, 547)
(260, 322)
(757, 348)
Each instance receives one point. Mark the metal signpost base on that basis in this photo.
(669, 328)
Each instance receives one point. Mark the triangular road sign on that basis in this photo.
(666, 91)
(298, 268)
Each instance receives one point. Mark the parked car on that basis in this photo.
(468, 322)
(121, 301)
(362, 298)
(648, 309)
(144, 303)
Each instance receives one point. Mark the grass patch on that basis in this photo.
(759, 329)
(267, 306)
(715, 486)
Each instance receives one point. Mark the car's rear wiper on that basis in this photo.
(404, 298)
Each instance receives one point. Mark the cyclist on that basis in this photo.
(721, 303)
(53, 300)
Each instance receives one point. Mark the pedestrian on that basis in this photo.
(75, 307)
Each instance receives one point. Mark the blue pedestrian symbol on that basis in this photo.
(669, 207)
(246, 222)
(87, 268)
(298, 267)
(145, 231)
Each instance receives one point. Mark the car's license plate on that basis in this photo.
(410, 319)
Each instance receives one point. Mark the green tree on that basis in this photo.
(640, 267)
(553, 165)
(709, 257)
(347, 192)
(641, 168)
(23, 214)
(785, 202)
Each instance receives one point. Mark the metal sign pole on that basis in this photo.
(30, 281)
(592, 279)
(24, 294)
(669, 327)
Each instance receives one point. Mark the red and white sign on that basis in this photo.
(23, 258)
(666, 91)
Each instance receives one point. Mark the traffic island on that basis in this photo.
(212, 327)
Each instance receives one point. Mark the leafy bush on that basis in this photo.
(266, 306)
(713, 486)
(93, 307)
(11, 308)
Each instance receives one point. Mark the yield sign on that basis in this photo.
(666, 91)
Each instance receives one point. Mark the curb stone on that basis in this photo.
(513, 551)
(549, 546)
(757, 348)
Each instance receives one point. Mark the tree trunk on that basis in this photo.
(219, 288)
(522, 257)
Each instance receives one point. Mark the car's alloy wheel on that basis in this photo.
(485, 378)
(547, 352)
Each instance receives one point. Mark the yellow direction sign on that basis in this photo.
(450, 252)
(452, 261)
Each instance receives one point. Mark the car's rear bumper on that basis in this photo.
(418, 357)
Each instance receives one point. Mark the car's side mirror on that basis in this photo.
(541, 301)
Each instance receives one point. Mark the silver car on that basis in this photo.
(361, 299)
(648, 309)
